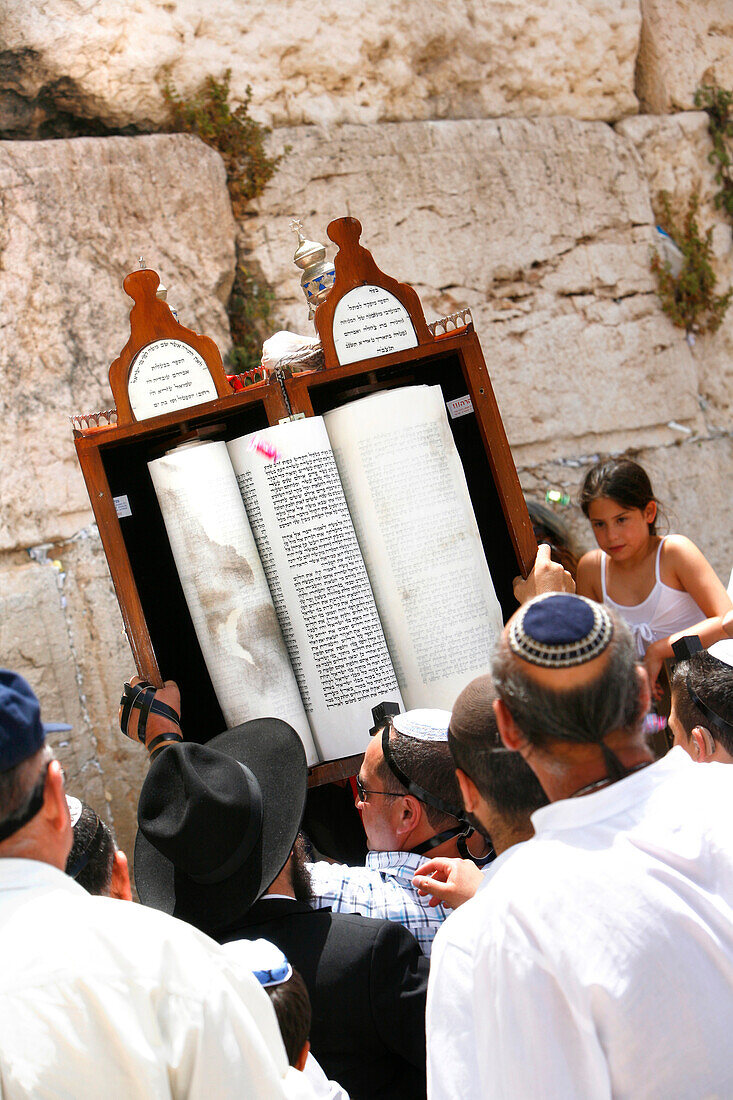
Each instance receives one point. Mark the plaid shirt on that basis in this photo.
(383, 889)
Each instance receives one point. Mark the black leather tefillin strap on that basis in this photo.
(463, 830)
(141, 696)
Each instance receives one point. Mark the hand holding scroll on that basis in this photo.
(149, 714)
(546, 576)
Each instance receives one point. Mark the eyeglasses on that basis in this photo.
(363, 792)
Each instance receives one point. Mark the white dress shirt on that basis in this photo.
(103, 998)
(604, 962)
(449, 1022)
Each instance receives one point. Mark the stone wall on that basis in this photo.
(495, 157)
(74, 217)
(353, 62)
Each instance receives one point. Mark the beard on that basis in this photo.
(299, 873)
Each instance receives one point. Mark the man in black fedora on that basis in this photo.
(217, 847)
(100, 997)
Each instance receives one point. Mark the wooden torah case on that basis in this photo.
(170, 387)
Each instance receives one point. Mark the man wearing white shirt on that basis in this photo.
(604, 964)
(99, 997)
(509, 794)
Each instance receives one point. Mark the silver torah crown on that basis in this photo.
(318, 272)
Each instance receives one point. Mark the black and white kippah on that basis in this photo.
(559, 631)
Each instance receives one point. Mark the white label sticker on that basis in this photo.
(122, 506)
(459, 406)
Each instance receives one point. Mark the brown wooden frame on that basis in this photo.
(153, 320)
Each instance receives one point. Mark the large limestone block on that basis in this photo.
(103, 662)
(684, 43)
(60, 627)
(35, 641)
(75, 217)
(339, 62)
(692, 481)
(542, 227)
(674, 153)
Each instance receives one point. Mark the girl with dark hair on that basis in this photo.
(663, 587)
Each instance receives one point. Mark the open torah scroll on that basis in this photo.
(330, 563)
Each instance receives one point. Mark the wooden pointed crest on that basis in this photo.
(367, 313)
(168, 365)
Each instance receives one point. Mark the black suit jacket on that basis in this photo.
(367, 980)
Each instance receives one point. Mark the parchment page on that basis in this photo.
(225, 588)
(298, 513)
(408, 497)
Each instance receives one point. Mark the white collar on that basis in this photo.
(34, 872)
(569, 813)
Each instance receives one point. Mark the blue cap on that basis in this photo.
(559, 630)
(22, 733)
(266, 961)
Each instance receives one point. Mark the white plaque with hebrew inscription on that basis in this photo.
(370, 321)
(168, 375)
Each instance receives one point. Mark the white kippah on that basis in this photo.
(75, 809)
(264, 959)
(723, 651)
(423, 725)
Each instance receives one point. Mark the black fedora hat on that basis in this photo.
(216, 822)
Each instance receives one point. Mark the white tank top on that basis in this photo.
(665, 610)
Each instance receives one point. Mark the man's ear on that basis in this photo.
(303, 1056)
(702, 744)
(508, 731)
(410, 815)
(469, 791)
(55, 806)
(120, 884)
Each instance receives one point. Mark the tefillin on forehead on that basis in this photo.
(560, 631)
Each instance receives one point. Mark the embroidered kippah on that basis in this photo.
(560, 631)
(423, 725)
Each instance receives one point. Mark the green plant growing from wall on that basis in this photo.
(238, 137)
(240, 140)
(688, 297)
(718, 105)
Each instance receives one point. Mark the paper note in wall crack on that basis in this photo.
(225, 588)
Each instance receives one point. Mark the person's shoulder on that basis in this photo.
(325, 871)
(679, 550)
(678, 544)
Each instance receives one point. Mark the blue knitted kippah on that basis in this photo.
(560, 630)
